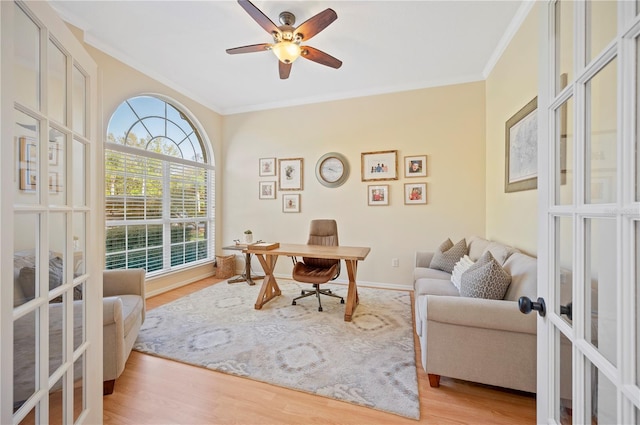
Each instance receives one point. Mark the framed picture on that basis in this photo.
(54, 153)
(291, 203)
(415, 166)
(290, 173)
(415, 193)
(381, 165)
(267, 190)
(378, 194)
(28, 163)
(267, 167)
(521, 149)
(54, 182)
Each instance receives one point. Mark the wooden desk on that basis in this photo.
(268, 258)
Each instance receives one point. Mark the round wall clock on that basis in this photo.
(332, 169)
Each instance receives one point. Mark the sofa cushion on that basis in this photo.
(448, 254)
(485, 279)
(476, 247)
(524, 276)
(426, 286)
(500, 251)
(421, 272)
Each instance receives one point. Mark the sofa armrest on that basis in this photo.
(423, 258)
(123, 282)
(111, 310)
(480, 313)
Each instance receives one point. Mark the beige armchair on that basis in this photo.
(123, 315)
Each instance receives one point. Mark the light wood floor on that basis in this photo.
(157, 391)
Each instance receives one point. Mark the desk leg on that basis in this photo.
(269, 289)
(352, 292)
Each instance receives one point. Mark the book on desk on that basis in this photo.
(264, 245)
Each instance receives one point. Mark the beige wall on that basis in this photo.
(120, 82)
(511, 217)
(446, 123)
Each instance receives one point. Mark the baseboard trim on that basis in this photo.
(167, 288)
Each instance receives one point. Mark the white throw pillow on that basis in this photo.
(460, 267)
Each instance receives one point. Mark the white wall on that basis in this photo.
(446, 123)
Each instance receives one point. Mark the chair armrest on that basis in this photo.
(480, 313)
(111, 310)
(123, 282)
(423, 258)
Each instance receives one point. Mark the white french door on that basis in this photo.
(589, 203)
(51, 292)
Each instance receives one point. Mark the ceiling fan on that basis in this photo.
(287, 39)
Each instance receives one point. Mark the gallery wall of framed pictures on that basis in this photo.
(285, 176)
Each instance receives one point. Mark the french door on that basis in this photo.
(51, 292)
(589, 203)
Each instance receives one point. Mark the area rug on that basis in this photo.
(369, 361)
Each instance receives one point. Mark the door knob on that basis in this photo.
(567, 310)
(526, 306)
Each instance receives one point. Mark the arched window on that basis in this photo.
(159, 183)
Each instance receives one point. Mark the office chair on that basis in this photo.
(318, 270)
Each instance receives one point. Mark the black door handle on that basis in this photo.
(526, 306)
(567, 310)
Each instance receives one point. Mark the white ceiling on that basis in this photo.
(385, 46)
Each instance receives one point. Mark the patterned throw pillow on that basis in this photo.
(485, 279)
(447, 255)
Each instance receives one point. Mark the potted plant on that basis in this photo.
(248, 236)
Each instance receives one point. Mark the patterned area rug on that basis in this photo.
(369, 361)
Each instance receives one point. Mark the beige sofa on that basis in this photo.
(123, 314)
(475, 339)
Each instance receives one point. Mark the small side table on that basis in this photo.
(246, 276)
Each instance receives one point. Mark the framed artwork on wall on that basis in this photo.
(267, 190)
(267, 167)
(415, 193)
(290, 171)
(521, 149)
(378, 194)
(415, 166)
(28, 163)
(291, 203)
(381, 165)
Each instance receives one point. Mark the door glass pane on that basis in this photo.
(637, 276)
(78, 387)
(57, 159)
(564, 153)
(564, 43)
(24, 358)
(27, 133)
(601, 397)
(56, 335)
(637, 118)
(564, 263)
(564, 407)
(25, 258)
(55, 404)
(601, 149)
(79, 243)
(78, 315)
(600, 286)
(79, 101)
(57, 250)
(602, 18)
(79, 188)
(57, 83)
(27, 60)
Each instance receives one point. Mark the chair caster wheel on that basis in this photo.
(319, 308)
(342, 301)
(293, 303)
(329, 291)
(301, 292)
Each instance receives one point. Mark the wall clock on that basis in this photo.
(332, 169)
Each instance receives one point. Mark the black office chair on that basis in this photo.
(318, 270)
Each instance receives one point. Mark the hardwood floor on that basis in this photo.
(157, 391)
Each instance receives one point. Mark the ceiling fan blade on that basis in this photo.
(263, 47)
(315, 24)
(320, 57)
(259, 17)
(285, 70)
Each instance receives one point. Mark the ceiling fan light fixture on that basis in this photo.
(286, 51)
